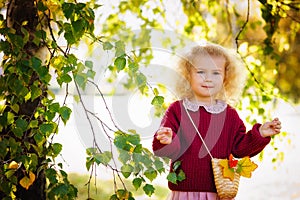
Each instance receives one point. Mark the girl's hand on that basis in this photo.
(164, 135)
(270, 128)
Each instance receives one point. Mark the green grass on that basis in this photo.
(105, 188)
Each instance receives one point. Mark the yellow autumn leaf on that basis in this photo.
(227, 172)
(13, 165)
(26, 182)
(246, 167)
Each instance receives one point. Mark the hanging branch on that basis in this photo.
(105, 104)
(261, 87)
(114, 169)
(244, 25)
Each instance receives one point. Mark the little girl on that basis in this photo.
(213, 79)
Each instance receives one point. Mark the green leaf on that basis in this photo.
(141, 79)
(124, 156)
(49, 115)
(126, 170)
(25, 35)
(18, 88)
(68, 9)
(141, 82)
(79, 28)
(39, 138)
(103, 158)
(261, 111)
(145, 159)
(46, 129)
(33, 124)
(3, 148)
(120, 48)
(91, 151)
(89, 64)
(121, 142)
(76, 98)
(41, 70)
(148, 189)
(65, 113)
(176, 165)
(38, 37)
(79, 7)
(22, 124)
(64, 78)
(137, 182)
(33, 159)
(54, 107)
(51, 175)
(133, 66)
(157, 101)
(15, 147)
(89, 162)
(17, 41)
(15, 108)
(138, 148)
(91, 74)
(155, 91)
(81, 79)
(41, 6)
(10, 118)
(80, 68)
(172, 177)
(159, 165)
(18, 132)
(181, 175)
(123, 194)
(70, 37)
(134, 139)
(28, 96)
(35, 92)
(114, 197)
(138, 167)
(150, 173)
(120, 63)
(56, 149)
(107, 46)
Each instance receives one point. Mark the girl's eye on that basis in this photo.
(217, 73)
(200, 72)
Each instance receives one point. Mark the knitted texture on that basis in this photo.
(224, 133)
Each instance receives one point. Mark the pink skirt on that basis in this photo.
(179, 195)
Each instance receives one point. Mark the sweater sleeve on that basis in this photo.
(248, 143)
(171, 119)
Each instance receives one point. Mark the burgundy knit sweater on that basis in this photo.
(224, 133)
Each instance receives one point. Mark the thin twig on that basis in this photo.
(104, 101)
(237, 46)
(87, 112)
(243, 26)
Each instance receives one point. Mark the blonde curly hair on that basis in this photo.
(234, 72)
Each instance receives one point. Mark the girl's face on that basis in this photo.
(207, 76)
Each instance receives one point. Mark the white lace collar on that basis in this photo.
(219, 107)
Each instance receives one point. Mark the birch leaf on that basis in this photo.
(26, 182)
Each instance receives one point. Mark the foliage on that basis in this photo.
(40, 46)
(103, 189)
(243, 166)
(177, 174)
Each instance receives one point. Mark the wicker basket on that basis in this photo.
(225, 187)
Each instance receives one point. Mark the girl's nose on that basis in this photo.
(207, 77)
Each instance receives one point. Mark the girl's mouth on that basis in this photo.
(206, 86)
